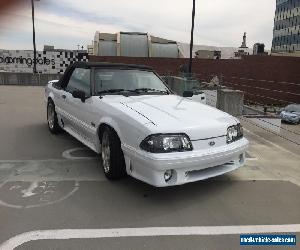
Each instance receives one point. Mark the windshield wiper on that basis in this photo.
(137, 91)
(150, 90)
(110, 91)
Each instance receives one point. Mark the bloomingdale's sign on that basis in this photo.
(28, 61)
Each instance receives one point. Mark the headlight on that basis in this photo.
(234, 133)
(166, 143)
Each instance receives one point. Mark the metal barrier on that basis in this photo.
(26, 79)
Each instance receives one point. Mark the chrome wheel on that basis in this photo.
(105, 152)
(51, 115)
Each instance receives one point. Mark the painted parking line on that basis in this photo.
(46, 194)
(51, 170)
(64, 234)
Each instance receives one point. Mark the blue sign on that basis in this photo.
(267, 240)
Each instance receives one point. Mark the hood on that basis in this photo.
(174, 114)
(290, 114)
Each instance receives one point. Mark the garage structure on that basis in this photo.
(133, 44)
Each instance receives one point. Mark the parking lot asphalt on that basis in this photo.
(52, 182)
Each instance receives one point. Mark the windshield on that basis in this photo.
(293, 108)
(108, 80)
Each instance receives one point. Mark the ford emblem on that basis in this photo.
(212, 143)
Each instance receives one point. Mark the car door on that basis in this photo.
(80, 114)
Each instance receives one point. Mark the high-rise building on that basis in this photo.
(286, 34)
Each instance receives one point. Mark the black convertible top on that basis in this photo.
(107, 65)
(63, 80)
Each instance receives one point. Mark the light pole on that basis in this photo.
(192, 39)
(33, 38)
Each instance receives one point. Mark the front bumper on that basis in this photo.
(186, 166)
(287, 117)
(290, 119)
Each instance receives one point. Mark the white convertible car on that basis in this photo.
(139, 127)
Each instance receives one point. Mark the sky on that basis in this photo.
(68, 23)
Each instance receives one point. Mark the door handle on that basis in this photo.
(64, 96)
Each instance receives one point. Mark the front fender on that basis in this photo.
(112, 123)
(51, 95)
(48, 93)
(130, 132)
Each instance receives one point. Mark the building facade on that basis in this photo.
(132, 44)
(286, 33)
(208, 54)
(48, 61)
(139, 44)
(259, 49)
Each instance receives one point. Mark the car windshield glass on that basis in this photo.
(293, 108)
(109, 81)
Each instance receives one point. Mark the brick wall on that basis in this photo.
(265, 79)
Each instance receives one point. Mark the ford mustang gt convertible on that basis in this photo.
(130, 117)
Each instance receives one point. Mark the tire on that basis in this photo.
(112, 157)
(52, 120)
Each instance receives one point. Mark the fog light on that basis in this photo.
(168, 175)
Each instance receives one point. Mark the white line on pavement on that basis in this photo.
(50, 170)
(63, 234)
(41, 204)
(43, 160)
(29, 191)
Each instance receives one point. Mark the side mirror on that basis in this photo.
(188, 94)
(79, 94)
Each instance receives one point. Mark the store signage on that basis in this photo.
(29, 61)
